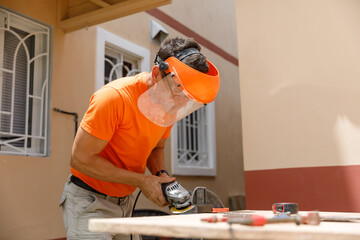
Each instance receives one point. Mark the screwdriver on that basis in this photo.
(258, 220)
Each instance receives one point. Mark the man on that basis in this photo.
(124, 131)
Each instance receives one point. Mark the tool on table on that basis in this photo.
(284, 213)
(258, 220)
(312, 218)
(181, 200)
(292, 208)
(203, 197)
(285, 208)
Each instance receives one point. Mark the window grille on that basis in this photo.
(193, 144)
(119, 64)
(191, 151)
(118, 58)
(24, 84)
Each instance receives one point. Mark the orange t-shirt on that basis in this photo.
(113, 116)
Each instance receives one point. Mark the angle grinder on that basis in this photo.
(178, 197)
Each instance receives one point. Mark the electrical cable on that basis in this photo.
(133, 209)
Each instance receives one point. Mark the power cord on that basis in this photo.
(133, 209)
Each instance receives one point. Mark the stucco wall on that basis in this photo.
(299, 80)
(30, 186)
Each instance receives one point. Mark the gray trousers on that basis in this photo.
(79, 205)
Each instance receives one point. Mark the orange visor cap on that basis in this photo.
(202, 87)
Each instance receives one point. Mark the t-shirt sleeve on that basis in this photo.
(104, 113)
(167, 132)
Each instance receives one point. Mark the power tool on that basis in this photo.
(183, 201)
(178, 197)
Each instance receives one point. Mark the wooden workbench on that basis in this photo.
(191, 226)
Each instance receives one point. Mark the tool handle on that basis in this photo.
(251, 220)
(258, 220)
(214, 219)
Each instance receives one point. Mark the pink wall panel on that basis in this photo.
(334, 188)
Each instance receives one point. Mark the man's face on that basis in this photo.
(164, 102)
(169, 94)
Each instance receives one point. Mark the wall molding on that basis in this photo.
(160, 15)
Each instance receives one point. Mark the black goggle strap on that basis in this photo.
(157, 60)
(185, 53)
(179, 55)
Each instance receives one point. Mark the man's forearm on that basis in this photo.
(102, 169)
(156, 160)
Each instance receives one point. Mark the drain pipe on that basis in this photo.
(76, 116)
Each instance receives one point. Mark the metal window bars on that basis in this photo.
(24, 77)
(192, 140)
(119, 64)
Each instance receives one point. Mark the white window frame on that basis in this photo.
(121, 58)
(104, 38)
(41, 77)
(208, 140)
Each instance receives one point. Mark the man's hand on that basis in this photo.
(150, 186)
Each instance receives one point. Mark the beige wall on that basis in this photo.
(31, 187)
(299, 77)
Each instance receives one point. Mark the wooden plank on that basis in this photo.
(112, 2)
(62, 10)
(191, 226)
(100, 3)
(75, 3)
(112, 12)
(83, 8)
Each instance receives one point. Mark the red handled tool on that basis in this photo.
(258, 220)
(214, 219)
